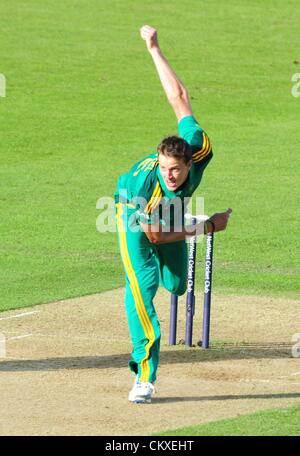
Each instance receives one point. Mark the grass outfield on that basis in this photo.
(277, 422)
(84, 102)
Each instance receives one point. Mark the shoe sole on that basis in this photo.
(141, 400)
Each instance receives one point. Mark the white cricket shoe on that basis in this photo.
(141, 392)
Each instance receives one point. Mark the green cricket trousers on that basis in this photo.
(146, 265)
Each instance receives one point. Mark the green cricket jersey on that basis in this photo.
(147, 265)
(143, 187)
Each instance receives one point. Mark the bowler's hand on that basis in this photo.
(220, 220)
(149, 34)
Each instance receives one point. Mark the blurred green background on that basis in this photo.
(83, 103)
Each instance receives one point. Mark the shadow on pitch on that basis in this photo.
(171, 356)
(228, 397)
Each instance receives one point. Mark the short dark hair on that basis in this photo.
(174, 146)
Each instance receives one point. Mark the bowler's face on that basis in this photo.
(173, 171)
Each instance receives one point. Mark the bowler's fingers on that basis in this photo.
(146, 31)
(228, 213)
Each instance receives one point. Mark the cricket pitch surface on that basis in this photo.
(63, 366)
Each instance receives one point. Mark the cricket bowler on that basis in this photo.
(152, 246)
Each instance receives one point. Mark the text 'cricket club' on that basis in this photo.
(191, 265)
(208, 265)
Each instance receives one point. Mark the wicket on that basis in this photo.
(190, 298)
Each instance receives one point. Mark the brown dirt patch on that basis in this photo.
(65, 371)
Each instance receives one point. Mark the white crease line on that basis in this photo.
(291, 375)
(20, 337)
(20, 315)
(14, 358)
(68, 337)
(261, 380)
(274, 382)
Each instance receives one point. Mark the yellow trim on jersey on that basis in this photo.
(155, 198)
(204, 151)
(146, 165)
(139, 303)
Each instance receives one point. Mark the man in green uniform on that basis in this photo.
(151, 227)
